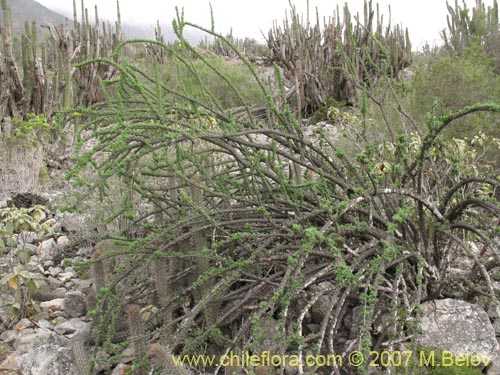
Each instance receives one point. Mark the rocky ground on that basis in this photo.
(40, 343)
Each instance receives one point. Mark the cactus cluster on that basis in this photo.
(48, 81)
(464, 29)
(323, 61)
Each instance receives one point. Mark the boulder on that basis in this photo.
(43, 353)
(121, 369)
(63, 242)
(70, 326)
(54, 304)
(323, 304)
(47, 250)
(75, 304)
(459, 327)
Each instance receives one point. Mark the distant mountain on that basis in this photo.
(142, 31)
(30, 10)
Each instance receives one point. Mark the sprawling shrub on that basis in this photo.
(240, 227)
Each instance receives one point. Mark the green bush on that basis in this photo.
(246, 222)
(202, 82)
(456, 82)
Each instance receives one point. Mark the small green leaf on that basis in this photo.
(26, 274)
(32, 286)
(24, 256)
(9, 228)
(6, 278)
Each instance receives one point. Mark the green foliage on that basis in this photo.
(29, 132)
(20, 276)
(206, 84)
(456, 82)
(18, 220)
(466, 29)
(241, 211)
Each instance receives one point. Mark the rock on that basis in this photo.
(47, 250)
(121, 369)
(36, 337)
(457, 326)
(322, 305)
(23, 324)
(75, 304)
(9, 366)
(65, 276)
(76, 223)
(4, 306)
(27, 238)
(54, 283)
(496, 326)
(85, 251)
(59, 292)
(9, 336)
(127, 355)
(70, 326)
(494, 367)
(44, 353)
(63, 242)
(34, 265)
(55, 304)
(494, 311)
(82, 285)
(44, 323)
(54, 271)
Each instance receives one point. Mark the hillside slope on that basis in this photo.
(30, 10)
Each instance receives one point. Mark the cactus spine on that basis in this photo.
(136, 330)
(99, 271)
(163, 361)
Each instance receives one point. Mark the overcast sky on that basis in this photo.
(424, 18)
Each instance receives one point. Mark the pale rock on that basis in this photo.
(65, 276)
(127, 355)
(23, 324)
(323, 303)
(63, 242)
(9, 366)
(494, 311)
(82, 284)
(54, 271)
(9, 336)
(36, 337)
(75, 304)
(45, 324)
(70, 326)
(85, 251)
(121, 369)
(494, 367)
(44, 353)
(457, 326)
(4, 306)
(54, 283)
(27, 238)
(47, 250)
(54, 304)
(59, 292)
